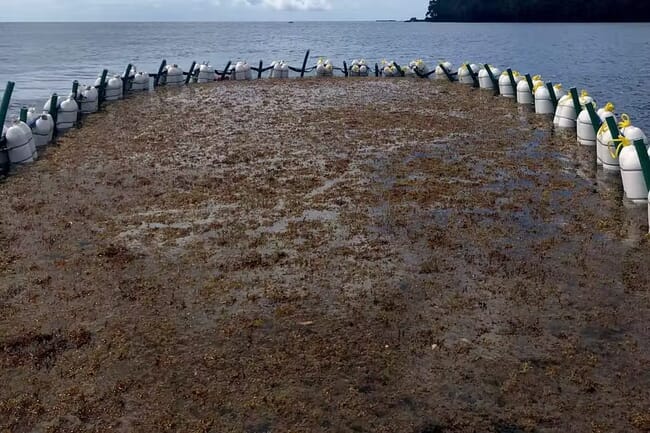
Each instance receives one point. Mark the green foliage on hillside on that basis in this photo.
(538, 10)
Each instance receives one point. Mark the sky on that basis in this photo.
(209, 10)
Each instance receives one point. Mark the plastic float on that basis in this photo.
(526, 89)
(89, 99)
(43, 129)
(66, 110)
(140, 82)
(505, 84)
(464, 74)
(443, 70)
(565, 114)
(114, 88)
(324, 68)
(389, 69)
(241, 71)
(632, 141)
(206, 73)
(20, 142)
(484, 79)
(358, 68)
(173, 76)
(280, 69)
(419, 67)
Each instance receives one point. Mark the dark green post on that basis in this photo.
(513, 83)
(495, 81)
(225, 70)
(23, 114)
(161, 69)
(399, 69)
(642, 152)
(102, 88)
(576, 100)
(472, 74)
(259, 71)
(529, 80)
(304, 65)
(126, 83)
(345, 68)
(595, 120)
(75, 88)
(551, 93)
(449, 76)
(613, 127)
(190, 73)
(376, 70)
(54, 110)
(4, 106)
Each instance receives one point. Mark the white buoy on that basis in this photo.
(140, 82)
(324, 68)
(175, 76)
(543, 101)
(524, 93)
(114, 89)
(601, 148)
(20, 143)
(241, 71)
(43, 129)
(630, 165)
(505, 86)
(565, 114)
(66, 115)
(464, 77)
(584, 129)
(441, 68)
(605, 147)
(419, 67)
(484, 80)
(206, 73)
(89, 97)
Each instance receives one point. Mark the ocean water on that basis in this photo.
(611, 61)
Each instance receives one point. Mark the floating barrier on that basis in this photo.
(620, 146)
(467, 74)
(486, 77)
(508, 82)
(568, 108)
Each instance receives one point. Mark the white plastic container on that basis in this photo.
(20, 143)
(206, 73)
(418, 67)
(631, 173)
(464, 76)
(543, 101)
(440, 73)
(484, 80)
(241, 71)
(324, 68)
(66, 116)
(175, 76)
(140, 82)
(524, 93)
(89, 97)
(605, 147)
(43, 130)
(114, 88)
(280, 69)
(585, 130)
(565, 114)
(505, 87)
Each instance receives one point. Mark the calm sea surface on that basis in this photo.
(611, 61)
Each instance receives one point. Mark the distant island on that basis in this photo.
(537, 11)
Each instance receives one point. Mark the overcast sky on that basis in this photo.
(208, 10)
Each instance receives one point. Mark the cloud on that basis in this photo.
(291, 5)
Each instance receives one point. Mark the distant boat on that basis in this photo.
(385, 21)
(290, 22)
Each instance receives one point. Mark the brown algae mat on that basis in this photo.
(321, 256)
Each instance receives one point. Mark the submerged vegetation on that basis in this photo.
(538, 10)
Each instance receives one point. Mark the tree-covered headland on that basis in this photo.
(539, 10)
